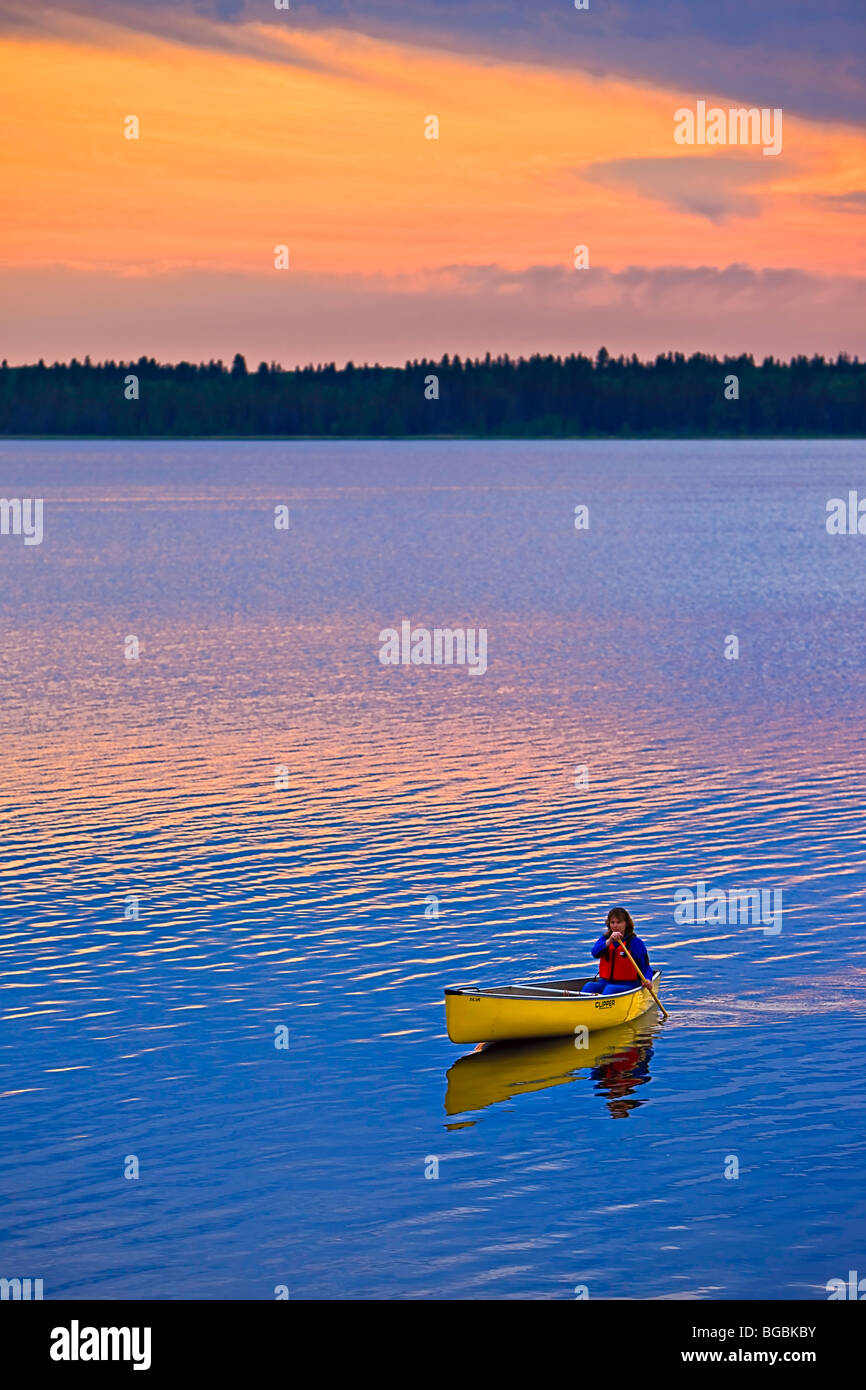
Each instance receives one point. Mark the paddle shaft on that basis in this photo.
(646, 982)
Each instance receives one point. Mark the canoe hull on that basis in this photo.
(498, 1015)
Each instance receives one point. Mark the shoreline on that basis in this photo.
(429, 438)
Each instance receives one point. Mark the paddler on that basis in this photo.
(616, 972)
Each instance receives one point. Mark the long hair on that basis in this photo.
(620, 913)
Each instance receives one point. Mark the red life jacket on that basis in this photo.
(614, 964)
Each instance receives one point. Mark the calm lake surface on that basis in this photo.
(302, 905)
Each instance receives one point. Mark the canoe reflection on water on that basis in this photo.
(615, 1060)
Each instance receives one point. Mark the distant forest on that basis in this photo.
(495, 397)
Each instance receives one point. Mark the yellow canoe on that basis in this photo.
(538, 1009)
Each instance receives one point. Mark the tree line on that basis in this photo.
(541, 397)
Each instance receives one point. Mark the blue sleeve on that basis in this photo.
(639, 951)
(599, 946)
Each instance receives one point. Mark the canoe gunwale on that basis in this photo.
(547, 994)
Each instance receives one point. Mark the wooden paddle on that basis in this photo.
(646, 983)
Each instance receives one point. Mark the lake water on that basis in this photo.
(297, 899)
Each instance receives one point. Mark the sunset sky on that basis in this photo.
(305, 127)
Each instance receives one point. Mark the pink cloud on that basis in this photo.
(295, 319)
